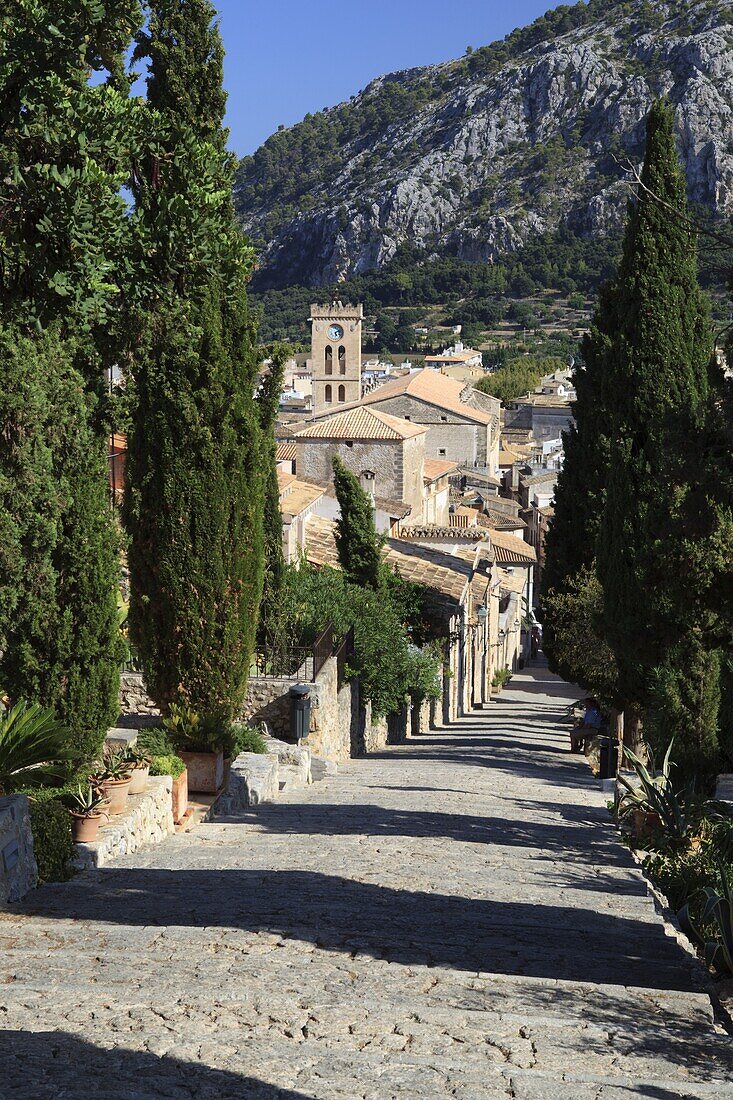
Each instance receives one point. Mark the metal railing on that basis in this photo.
(296, 663)
(344, 654)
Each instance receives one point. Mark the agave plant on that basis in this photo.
(87, 801)
(717, 913)
(34, 747)
(136, 757)
(655, 794)
(116, 765)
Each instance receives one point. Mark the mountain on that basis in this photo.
(522, 141)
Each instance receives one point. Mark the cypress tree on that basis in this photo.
(63, 160)
(195, 488)
(358, 544)
(271, 624)
(656, 395)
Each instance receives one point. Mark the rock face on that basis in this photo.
(475, 157)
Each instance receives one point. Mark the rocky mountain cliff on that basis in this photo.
(475, 157)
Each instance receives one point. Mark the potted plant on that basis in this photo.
(87, 811)
(200, 743)
(139, 761)
(114, 780)
(173, 766)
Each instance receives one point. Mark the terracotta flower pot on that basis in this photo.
(205, 771)
(646, 823)
(139, 782)
(84, 827)
(116, 791)
(180, 797)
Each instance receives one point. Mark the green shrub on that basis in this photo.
(247, 739)
(52, 842)
(155, 740)
(170, 764)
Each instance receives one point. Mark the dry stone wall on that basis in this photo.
(18, 870)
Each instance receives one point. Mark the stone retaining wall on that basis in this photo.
(148, 819)
(134, 698)
(18, 870)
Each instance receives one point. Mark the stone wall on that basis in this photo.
(268, 701)
(18, 870)
(147, 819)
(134, 698)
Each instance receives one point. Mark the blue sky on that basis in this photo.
(288, 57)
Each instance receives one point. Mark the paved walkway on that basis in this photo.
(452, 918)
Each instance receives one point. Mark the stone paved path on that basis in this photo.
(452, 918)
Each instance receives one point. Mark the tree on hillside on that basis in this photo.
(195, 498)
(656, 396)
(358, 544)
(64, 158)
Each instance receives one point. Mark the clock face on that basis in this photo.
(335, 332)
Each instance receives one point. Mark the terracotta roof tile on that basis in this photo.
(443, 573)
(434, 388)
(438, 467)
(511, 550)
(360, 423)
(287, 451)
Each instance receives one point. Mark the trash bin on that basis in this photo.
(300, 711)
(609, 758)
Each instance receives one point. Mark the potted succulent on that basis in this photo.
(173, 766)
(87, 810)
(139, 761)
(114, 780)
(200, 743)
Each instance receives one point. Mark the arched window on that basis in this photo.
(328, 396)
(342, 359)
(342, 394)
(329, 359)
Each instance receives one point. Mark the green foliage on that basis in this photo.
(198, 463)
(34, 747)
(188, 731)
(573, 637)
(501, 677)
(155, 741)
(717, 911)
(247, 739)
(53, 846)
(358, 544)
(389, 666)
(168, 764)
(86, 800)
(655, 336)
(518, 377)
(268, 403)
(656, 794)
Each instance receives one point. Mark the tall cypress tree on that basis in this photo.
(358, 544)
(195, 470)
(64, 148)
(271, 625)
(656, 395)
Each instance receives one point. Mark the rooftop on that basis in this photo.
(440, 572)
(432, 387)
(360, 423)
(287, 451)
(438, 467)
(509, 550)
(299, 496)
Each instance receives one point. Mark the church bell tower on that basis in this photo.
(335, 355)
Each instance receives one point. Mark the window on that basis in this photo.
(342, 394)
(444, 419)
(441, 452)
(349, 443)
(329, 359)
(328, 395)
(342, 359)
(405, 418)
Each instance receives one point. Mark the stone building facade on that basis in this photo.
(335, 355)
(387, 455)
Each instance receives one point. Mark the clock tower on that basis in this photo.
(335, 355)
